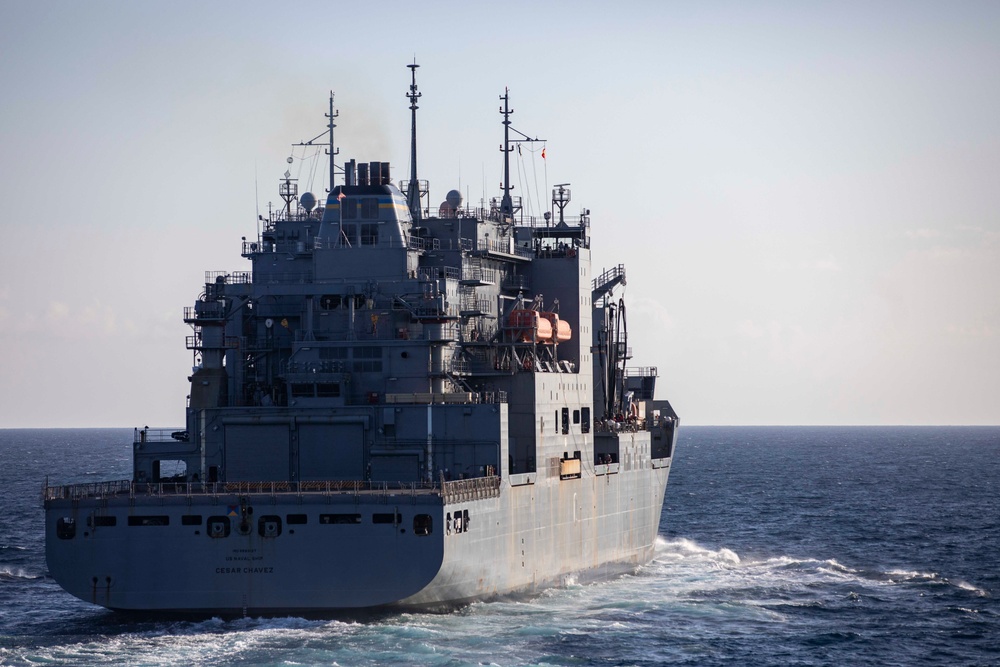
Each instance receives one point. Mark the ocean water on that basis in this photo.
(777, 546)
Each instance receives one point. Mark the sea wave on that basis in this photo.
(261, 640)
(8, 573)
(682, 549)
(701, 570)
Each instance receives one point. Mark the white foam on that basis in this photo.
(683, 549)
(966, 586)
(910, 575)
(17, 573)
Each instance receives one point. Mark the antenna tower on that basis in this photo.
(413, 191)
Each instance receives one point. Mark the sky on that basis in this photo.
(806, 195)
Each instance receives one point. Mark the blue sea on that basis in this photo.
(777, 546)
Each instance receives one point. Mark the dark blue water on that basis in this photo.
(778, 546)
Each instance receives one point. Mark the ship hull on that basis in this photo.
(328, 553)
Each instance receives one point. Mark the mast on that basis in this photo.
(506, 203)
(413, 191)
(331, 150)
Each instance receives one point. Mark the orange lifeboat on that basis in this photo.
(530, 327)
(561, 329)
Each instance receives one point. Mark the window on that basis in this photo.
(340, 518)
(369, 208)
(585, 424)
(565, 421)
(348, 209)
(576, 416)
(296, 519)
(322, 390)
(369, 234)
(96, 521)
(387, 518)
(66, 528)
(149, 520)
(191, 520)
(423, 524)
(368, 359)
(329, 301)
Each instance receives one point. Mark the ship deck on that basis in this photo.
(461, 490)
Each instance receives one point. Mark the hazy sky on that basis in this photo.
(806, 195)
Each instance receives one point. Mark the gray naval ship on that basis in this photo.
(389, 408)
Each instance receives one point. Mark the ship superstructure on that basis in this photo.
(388, 408)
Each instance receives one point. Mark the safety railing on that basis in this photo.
(465, 490)
(641, 371)
(431, 273)
(129, 489)
(96, 490)
(623, 426)
(228, 277)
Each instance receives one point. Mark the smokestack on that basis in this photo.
(362, 173)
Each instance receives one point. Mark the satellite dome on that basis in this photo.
(308, 202)
(454, 198)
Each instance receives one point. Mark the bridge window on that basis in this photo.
(369, 208)
(369, 234)
(348, 208)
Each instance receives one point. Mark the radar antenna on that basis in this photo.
(288, 189)
(560, 197)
